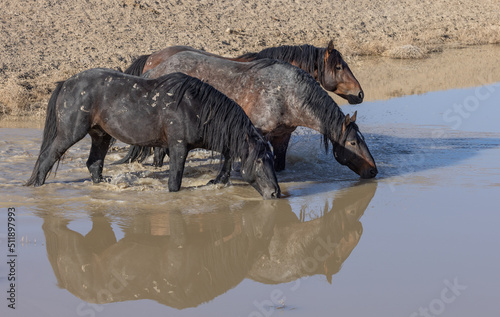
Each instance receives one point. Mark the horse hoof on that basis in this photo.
(97, 180)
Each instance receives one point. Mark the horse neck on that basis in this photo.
(318, 111)
(313, 65)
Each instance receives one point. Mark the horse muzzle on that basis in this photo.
(369, 173)
(356, 99)
(270, 193)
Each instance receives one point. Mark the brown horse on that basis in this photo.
(326, 65)
(277, 97)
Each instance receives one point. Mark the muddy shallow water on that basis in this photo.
(419, 239)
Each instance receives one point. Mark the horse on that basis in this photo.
(326, 65)
(277, 97)
(174, 111)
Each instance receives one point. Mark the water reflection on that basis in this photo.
(183, 260)
(318, 246)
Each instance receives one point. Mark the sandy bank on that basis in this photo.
(46, 41)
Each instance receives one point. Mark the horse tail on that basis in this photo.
(49, 132)
(135, 153)
(137, 66)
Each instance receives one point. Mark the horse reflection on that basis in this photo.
(320, 246)
(184, 260)
(178, 260)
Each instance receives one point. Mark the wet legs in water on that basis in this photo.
(280, 146)
(100, 145)
(177, 154)
(222, 177)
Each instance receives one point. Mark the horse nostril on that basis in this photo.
(361, 95)
(373, 172)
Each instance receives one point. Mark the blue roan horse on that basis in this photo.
(176, 111)
(277, 97)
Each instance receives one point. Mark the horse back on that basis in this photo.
(261, 88)
(129, 108)
(158, 57)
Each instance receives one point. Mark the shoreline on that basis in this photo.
(382, 78)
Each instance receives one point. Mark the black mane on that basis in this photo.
(322, 106)
(314, 96)
(223, 124)
(307, 57)
(259, 64)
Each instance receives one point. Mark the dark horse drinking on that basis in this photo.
(325, 64)
(176, 111)
(277, 97)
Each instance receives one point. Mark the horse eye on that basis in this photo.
(338, 67)
(353, 143)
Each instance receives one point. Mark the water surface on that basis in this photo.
(421, 238)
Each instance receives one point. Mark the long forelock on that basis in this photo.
(334, 58)
(351, 126)
(259, 145)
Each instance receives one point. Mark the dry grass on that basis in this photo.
(21, 98)
(405, 52)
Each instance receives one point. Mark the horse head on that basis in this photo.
(352, 151)
(258, 168)
(337, 77)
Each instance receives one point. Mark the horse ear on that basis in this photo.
(353, 118)
(347, 120)
(330, 46)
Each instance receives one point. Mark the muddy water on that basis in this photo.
(421, 239)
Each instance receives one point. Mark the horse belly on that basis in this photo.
(133, 125)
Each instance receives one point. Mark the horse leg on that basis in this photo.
(280, 146)
(224, 173)
(145, 152)
(100, 145)
(159, 156)
(46, 160)
(178, 154)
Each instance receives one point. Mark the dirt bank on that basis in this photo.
(42, 42)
